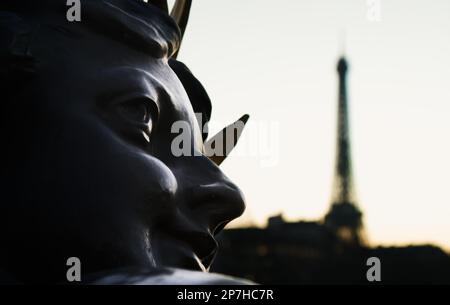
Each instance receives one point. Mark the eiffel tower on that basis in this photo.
(344, 216)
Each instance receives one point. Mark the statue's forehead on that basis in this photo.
(155, 79)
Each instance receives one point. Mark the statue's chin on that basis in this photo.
(175, 254)
(185, 249)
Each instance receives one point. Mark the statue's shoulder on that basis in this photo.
(165, 276)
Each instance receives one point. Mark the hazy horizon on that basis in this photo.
(277, 62)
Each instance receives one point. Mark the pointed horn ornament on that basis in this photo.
(180, 13)
(219, 147)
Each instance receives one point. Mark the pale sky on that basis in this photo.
(276, 60)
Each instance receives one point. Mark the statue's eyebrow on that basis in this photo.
(137, 81)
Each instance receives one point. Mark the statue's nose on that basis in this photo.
(217, 202)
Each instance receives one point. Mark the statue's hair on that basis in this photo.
(133, 22)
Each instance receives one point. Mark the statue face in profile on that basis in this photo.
(87, 110)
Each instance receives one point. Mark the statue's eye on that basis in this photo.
(138, 110)
(137, 117)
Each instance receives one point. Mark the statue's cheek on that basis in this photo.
(155, 183)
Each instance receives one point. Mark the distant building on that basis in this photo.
(344, 217)
(309, 253)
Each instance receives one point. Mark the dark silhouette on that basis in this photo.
(87, 110)
(344, 217)
(310, 253)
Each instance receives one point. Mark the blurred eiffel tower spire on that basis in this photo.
(344, 216)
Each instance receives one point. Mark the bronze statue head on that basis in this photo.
(87, 109)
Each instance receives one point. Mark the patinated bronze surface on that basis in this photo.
(87, 109)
